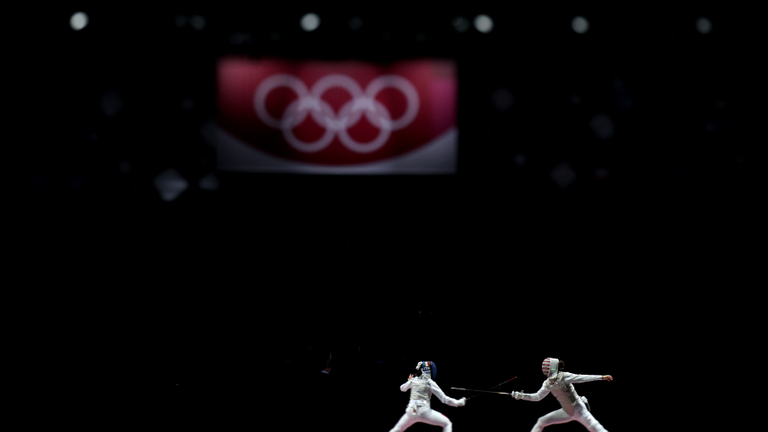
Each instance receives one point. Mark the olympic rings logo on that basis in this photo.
(310, 102)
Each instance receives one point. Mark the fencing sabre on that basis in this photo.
(485, 391)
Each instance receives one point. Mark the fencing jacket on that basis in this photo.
(422, 388)
(561, 385)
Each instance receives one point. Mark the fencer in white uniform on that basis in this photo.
(560, 384)
(418, 410)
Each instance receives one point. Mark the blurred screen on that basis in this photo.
(336, 117)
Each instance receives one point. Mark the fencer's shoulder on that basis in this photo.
(556, 378)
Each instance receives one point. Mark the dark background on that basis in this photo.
(215, 310)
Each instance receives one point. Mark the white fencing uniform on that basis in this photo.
(418, 409)
(560, 384)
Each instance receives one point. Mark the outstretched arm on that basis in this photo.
(575, 378)
(533, 397)
(437, 391)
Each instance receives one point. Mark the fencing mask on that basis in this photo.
(549, 366)
(427, 368)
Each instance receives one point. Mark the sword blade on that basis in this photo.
(479, 391)
(497, 385)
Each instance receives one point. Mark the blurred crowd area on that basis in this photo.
(559, 102)
(580, 129)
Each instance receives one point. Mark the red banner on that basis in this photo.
(336, 117)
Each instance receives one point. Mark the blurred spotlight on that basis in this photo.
(181, 21)
(310, 22)
(704, 25)
(460, 24)
(503, 99)
(78, 21)
(520, 159)
(620, 94)
(580, 24)
(111, 103)
(125, 166)
(170, 184)
(483, 23)
(239, 38)
(563, 175)
(37, 181)
(197, 22)
(601, 173)
(602, 126)
(356, 23)
(209, 182)
(575, 99)
(76, 182)
(188, 104)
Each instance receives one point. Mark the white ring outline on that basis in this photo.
(384, 124)
(311, 103)
(269, 84)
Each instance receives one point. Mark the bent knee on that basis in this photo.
(539, 426)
